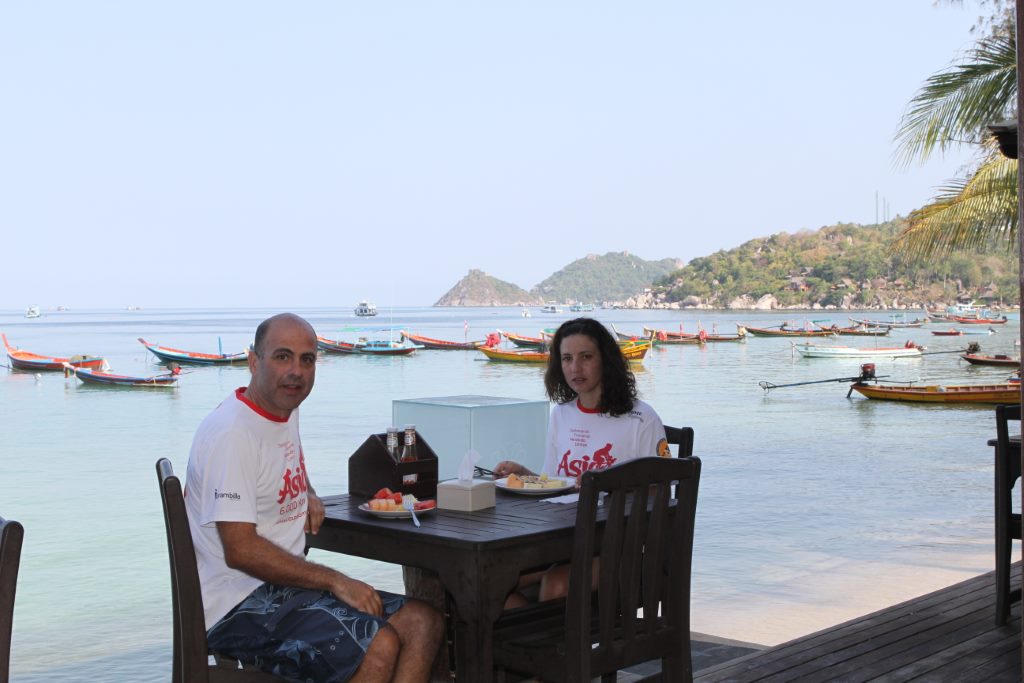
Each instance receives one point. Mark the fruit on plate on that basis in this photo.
(387, 500)
(532, 481)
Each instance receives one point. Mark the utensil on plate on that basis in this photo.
(408, 505)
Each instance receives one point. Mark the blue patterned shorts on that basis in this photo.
(299, 634)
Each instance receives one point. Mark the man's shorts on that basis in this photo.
(299, 634)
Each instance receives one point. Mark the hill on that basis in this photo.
(612, 277)
(480, 289)
(841, 266)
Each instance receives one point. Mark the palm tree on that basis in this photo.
(953, 108)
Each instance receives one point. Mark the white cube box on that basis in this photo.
(499, 428)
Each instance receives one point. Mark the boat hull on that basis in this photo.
(968, 393)
(812, 351)
(441, 344)
(169, 355)
(111, 380)
(634, 352)
(765, 332)
(978, 359)
(34, 362)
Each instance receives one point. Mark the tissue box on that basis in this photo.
(465, 496)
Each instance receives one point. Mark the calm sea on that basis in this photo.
(814, 507)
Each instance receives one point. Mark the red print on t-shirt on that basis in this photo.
(575, 466)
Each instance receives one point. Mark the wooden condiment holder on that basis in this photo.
(371, 468)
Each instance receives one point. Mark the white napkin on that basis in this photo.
(570, 498)
(469, 461)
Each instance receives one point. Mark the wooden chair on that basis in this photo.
(645, 551)
(681, 437)
(191, 655)
(1007, 522)
(11, 535)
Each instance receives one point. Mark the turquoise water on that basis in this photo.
(801, 488)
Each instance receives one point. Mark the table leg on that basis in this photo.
(479, 601)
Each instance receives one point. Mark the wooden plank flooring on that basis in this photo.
(948, 635)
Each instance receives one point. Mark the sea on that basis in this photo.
(815, 506)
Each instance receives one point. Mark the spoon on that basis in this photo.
(408, 505)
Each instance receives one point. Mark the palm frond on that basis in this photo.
(969, 214)
(954, 106)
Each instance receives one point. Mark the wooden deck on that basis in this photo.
(948, 635)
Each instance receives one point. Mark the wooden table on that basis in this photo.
(478, 557)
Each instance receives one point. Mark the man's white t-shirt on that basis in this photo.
(245, 465)
(581, 439)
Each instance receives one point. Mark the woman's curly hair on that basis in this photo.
(618, 386)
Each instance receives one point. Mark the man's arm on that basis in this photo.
(248, 552)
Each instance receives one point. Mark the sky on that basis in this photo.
(269, 154)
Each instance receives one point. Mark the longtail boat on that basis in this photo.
(856, 330)
(365, 347)
(634, 353)
(661, 335)
(429, 343)
(998, 359)
(955, 393)
(523, 342)
(89, 376)
(741, 335)
(518, 356)
(781, 331)
(811, 350)
(167, 354)
(952, 332)
(25, 360)
(916, 323)
(979, 321)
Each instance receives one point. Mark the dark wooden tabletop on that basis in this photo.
(478, 556)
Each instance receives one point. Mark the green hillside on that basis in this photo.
(842, 265)
(615, 276)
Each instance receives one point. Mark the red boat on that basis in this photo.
(25, 360)
(442, 344)
(979, 321)
(948, 333)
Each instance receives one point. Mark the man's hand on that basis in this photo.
(358, 594)
(314, 513)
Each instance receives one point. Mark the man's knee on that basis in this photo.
(419, 617)
(383, 648)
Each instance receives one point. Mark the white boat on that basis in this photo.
(811, 350)
(365, 309)
(32, 312)
(550, 308)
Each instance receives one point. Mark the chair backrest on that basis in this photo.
(191, 656)
(11, 535)
(645, 552)
(681, 437)
(1004, 414)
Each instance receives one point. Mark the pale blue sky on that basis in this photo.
(316, 153)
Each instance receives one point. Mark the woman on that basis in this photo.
(597, 421)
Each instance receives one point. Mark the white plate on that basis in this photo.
(503, 485)
(397, 514)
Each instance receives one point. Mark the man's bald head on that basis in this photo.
(269, 323)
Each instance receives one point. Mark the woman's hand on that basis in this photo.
(507, 467)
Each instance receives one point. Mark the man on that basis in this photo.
(250, 504)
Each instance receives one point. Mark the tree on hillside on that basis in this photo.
(978, 209)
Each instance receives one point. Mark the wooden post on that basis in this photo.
(1020, 197)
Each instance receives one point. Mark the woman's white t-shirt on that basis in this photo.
(581, 439)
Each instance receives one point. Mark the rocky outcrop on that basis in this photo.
(480, 289)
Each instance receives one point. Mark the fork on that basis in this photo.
(408, 505)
